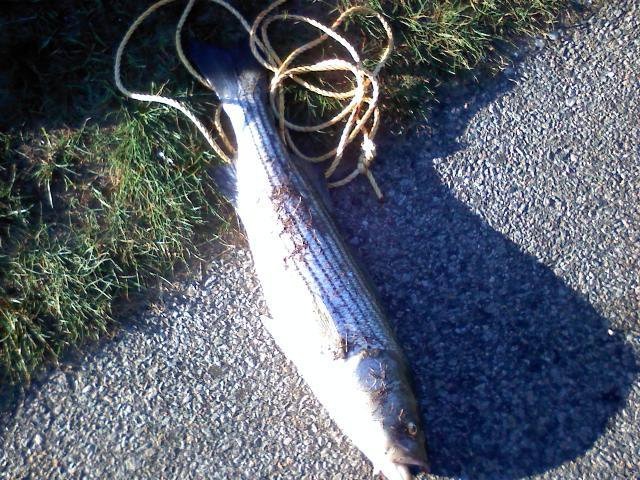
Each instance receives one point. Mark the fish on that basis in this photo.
(324, 314)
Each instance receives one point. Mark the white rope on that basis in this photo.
(362, 113)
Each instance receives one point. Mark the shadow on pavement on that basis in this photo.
(516, 372)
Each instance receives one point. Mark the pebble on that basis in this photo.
(37, 440)
(553, 36)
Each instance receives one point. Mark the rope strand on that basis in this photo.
(363, 98)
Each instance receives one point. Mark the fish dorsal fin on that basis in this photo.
(314, 175)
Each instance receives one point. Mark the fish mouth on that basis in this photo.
(413, 465)
(404, 469)
(410, 453)
(410, 463)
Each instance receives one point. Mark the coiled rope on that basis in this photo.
(362, 113)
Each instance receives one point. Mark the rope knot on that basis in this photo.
(368, 154)
(366, 158)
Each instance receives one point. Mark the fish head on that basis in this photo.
(404, 453)
(396, 444)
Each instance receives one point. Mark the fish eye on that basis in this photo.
(412, 429)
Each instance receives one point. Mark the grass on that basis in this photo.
(86, 216)
(100, 196)
(436, 39)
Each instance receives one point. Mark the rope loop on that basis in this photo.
(361, 114)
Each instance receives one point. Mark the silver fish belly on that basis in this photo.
(324, 316)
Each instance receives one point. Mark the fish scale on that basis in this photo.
(325, 265)
(325, 317)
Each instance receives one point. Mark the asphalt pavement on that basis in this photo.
(507, 254)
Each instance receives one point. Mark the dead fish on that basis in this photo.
(325, 317)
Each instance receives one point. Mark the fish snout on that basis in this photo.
(407, 461)
(404, 468)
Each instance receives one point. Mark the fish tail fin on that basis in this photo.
(231, 73)
(236, 78)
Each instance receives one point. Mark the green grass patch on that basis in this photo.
(436, 39)
(85, 216)
(101, 196)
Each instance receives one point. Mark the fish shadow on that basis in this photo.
(515, 371)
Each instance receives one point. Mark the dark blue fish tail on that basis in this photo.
(231, 73)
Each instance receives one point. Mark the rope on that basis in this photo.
(362, 113)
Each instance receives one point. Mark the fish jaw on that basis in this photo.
(401, 468)
(394, 471)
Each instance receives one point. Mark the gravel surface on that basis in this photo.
(507, 254)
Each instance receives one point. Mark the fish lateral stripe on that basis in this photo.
(275, 178)
(340, 251)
